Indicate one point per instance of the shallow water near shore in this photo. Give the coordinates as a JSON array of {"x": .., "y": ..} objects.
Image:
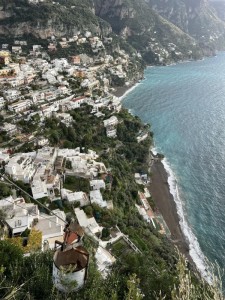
[{"x": 185, "y": 104}]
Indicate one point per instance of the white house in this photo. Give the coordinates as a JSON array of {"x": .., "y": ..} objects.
[
  {"x": 76, "y": 102},
  {"x": 89, "y": 224},
  {"x": 112, "y": 121},
  {"x": 96, "y": 197},
  {"x": 65, "y": 118},
  {"x": 97, "y": 184},
  {"x": 11, "y": 129},
  {"x": 111, "y": 131},
  {"x": 22, "y": 217},
  {"x": 21, "y": 167},
  {"x": 4, "y": 156},
  {"x": 77, "y": 197},
  {"x": 42, "y": 141},
  {"x": 11, "y": 95},
  {"x": 7, "y": 204},
  {"x": 104, "y": 261},
  {"x": 51, "y": 228},
  {"x": 39, "y": 189},
  {"x": 19, "y": 106}
]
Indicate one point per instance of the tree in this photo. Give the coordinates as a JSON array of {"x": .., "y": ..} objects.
[
  {"x": 4, "y": 190},
  {"x": 134, "y": 292},
  {"x": 105, "y": 233},
  {"x": 188, "y": 288},
  {"x": 10, "y": 257}
]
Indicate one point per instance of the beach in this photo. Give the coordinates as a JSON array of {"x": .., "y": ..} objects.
[
  {"x": 160, "y": 191},
  {"x": 121, "y": 90}
]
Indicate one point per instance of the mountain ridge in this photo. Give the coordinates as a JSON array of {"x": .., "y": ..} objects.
[{"x": 147, "y": 26}]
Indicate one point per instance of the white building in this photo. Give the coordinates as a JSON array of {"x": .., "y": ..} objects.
[
  {"x": 78, "y": 259},
  {"x": 11, "y": 129},
  {"x": 97, "y": 184},
  {"x": 7, "y": 204},
  {"x": 72, "y": 197},
  {"x": 11, "y": 95},
  {"x": 52, "y": 229},
  {"x": 112, "y": 121},
  {"x": 42, "y": 141},
  {"x": 89, "y": 224},
  {"x": 96, "y": 197},
  {"x": 46, "y": 156},
  {"x": 65, "y": 118},
  {"x": 20, "y": 106},
  {"x": 4, "y": 156},
  {"x": 21, "y": 167},
  {"x": 22, "y": 217},
  {"x": 39, "y": 189},
  {"x": 110, "y": 125},
  {"x": 104, "y": 261}
]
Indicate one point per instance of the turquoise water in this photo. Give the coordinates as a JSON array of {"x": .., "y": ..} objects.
[{"x": 185, "y": 105}]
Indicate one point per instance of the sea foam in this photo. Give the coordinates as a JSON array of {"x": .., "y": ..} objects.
[
  {"x": 130, "y": 90},
  {"x": 194, "y": 247}
]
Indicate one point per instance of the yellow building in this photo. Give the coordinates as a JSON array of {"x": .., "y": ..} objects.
[{"x": 5, "y": 57}]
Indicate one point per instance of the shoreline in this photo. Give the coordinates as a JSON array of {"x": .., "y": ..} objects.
[
  {"x": 122, "y": 91},
  {"x": 165, "y": 203},
  {"x": 162, "y": 195}
]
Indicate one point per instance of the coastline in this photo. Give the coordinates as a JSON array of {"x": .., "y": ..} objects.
[
  {"x": 122, "y": 91},
  {"x": 165, "y": 203},
  {"x": 160, "y": 190}
]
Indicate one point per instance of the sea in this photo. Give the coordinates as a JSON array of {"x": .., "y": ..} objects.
[{"x": 185, "y": 105}]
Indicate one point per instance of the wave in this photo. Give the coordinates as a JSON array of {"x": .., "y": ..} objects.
[
  {"x": 194, "y": 247},
  {"x": 130, "y": 90}
]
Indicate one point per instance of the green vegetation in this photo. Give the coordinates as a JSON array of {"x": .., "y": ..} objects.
[
  {"x": 154, "y": 273},
  {"x": 148, "y": 32},
  {"x": 133, "y": 275},
  {"x": 77, "y": 184},
  {"x": 5, "y": 190}
]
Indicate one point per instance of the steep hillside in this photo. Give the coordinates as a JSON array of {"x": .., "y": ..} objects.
[
  {"x": 219, "y": 7},
  {"x": 195, "y": 17},
  {"x": 57, "y": 18},
  {"x": 161, "y": 31},
  {"x": 157, "y": 39}
]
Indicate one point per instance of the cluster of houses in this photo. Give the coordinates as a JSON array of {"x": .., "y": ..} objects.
[
  {"x": 45, "y": 171},
  {"x": 34, "y": 85},
  {"x": 41, "y": 87}
]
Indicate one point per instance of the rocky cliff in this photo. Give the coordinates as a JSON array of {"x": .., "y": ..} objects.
[
  {"x": 161, "y": 31},
  {"x": 157, "y": 39},
  {"x": 195, "y": 17},
  {"x": 58, "y": 18},
  {"x": 219, "y": 7}
]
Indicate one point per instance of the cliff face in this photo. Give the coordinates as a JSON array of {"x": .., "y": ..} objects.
[
  {"x": 219, "y": 7},
  {"x": 195, "y": 17},
  {"x": 161, "y": 31},
  {"x": 158, "y": 40},
  {"x": 59, "y": 18}
]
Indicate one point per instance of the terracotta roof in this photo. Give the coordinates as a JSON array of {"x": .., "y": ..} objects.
[
  {"x": 71, "y": 237},
  {"x": 77, "y": 257}
]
